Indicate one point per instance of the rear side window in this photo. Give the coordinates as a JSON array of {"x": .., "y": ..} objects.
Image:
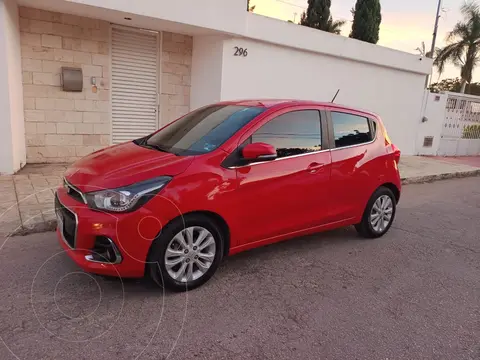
[
  {"x": 349, "y": 129},
  {"x": 293, "y": 133}
]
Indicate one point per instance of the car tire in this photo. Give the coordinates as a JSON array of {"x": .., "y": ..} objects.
[
  {"x": 370, "y": 227},
  {"x": 159, "y": 265}
]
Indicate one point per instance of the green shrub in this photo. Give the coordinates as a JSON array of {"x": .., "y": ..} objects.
[{"x": 471, "y": 132}]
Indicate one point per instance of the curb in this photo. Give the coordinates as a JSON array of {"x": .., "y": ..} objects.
[
  {"x": 41, "y": 227},
  {"x": 432, "y": 178},
  {"x": 52, "y": 224}
]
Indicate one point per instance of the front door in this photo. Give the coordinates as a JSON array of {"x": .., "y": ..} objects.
[{"x": 290, "y": 193}]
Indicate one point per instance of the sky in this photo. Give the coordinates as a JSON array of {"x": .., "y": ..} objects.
[{"x": 405, "y": 23}]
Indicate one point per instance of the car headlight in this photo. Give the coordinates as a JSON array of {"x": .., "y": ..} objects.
[{"x": 128, "y": 198}]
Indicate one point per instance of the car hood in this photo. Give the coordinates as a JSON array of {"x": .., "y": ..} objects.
[{"x": 122, "y": 165}]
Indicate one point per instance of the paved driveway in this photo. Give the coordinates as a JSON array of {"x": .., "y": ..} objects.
[{"x": 415, "y": 294}]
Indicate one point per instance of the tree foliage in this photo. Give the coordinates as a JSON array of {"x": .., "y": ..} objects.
[
  {"x": 366, "y": 20},
  {"x": 455, "y": 85},
  {"x": 423, "y": 52},
  {"x": 303, "y": 19},
  {"x": 318, "y": 16},
  {"x": 335, "y": 26},
  {"x": 463, "y": 45},
  {"x": 471, "y": 132}
]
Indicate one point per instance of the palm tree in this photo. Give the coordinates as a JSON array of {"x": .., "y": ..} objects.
[
  {"x": 423, "y": 52},
  {"x": 463, "y": 45}
]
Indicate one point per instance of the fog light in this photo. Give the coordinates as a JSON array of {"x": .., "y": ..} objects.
[{"x": 104, "y": 251}]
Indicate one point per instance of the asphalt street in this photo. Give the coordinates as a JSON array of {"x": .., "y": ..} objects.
[{"x": 413, "y": 294}]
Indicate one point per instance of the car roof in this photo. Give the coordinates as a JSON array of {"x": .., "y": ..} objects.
[{"x": 270, "y": 103}]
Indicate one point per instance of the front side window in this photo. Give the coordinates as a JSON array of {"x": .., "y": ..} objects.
[
  {"x": 349, "y": 129},
  {"x": 293, "y": 133},
  {"x": 202, "y": 130}
]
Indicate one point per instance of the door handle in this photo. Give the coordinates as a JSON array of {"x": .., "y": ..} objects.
[{"x": 314, "y": 167}]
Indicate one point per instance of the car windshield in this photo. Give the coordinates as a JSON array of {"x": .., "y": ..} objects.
[{"x": 202, "y": 130}]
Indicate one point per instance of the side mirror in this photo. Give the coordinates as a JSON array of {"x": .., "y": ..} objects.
[{"x": 258, "y": 152}]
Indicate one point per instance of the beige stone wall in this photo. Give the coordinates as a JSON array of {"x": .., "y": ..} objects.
[
  {"x": 176, "y": 76},
  {"x": 64, "y": 126}
]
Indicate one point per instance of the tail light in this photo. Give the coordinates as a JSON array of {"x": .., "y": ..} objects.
[
  {"x": 388, "y": 144},
  {"x": 396, "y": 153}
]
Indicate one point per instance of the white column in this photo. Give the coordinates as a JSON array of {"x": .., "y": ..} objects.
[
  {"x": 207, "y": 64},
  {"x": 12, "y": 125}
]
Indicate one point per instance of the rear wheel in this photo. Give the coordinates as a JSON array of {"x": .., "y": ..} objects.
[
  {"x": 378, "y": 215},
  {"x": 186, "y": 254}
]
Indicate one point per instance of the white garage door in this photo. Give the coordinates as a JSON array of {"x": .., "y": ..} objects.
[{"x": 134, "y": 84}]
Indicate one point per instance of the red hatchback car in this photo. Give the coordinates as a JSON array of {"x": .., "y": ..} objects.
[{"x": 222, "y": 179}]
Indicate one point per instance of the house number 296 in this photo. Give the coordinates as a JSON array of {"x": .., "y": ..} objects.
[{"x": 240, "y": 51}]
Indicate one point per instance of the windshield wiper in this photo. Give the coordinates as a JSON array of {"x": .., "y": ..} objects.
[
  {"x": 156, "y": 147},
  {"x": 140, "y": 141},
  {"x": 144, "y": 143}
]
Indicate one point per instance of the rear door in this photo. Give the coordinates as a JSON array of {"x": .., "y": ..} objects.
[
  {"x": 352, "y": 136},
  {"x": 290, "y": 193}
]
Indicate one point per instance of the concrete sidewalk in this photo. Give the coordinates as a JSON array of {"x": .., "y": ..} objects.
[
  {"x": 420, "y": 169},
  {"x": 26, "y": 199}
]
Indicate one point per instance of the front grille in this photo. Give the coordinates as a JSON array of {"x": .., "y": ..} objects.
[
  {"x": 73, "y": 191},
  {"x": 67, "y": 223}
]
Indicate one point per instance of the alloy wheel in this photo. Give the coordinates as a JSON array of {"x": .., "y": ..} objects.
[
  {"x": 381, "y": 214},
  {"x": 190, "y": 254}
]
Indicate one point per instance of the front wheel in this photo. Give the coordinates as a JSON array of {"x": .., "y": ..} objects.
[
  {"x": 186, "y": 254},
  {"x": 378, "y": 215}
]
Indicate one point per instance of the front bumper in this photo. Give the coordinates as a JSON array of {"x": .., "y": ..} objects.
[{"x": 131, "y": 234}]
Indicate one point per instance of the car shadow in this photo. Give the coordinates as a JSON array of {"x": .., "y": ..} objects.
[
  {"x": 307, "y": 243},
  {"x": 243, "y": 261},
  {"x": 299, "y": 247}
]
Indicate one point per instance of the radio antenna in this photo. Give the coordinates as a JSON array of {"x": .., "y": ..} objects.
[{"x": 333, "y": 100}]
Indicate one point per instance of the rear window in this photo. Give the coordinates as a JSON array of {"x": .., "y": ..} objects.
[
  {"x": 349, "y": 129},
  {"x": 203, "y": 130}
]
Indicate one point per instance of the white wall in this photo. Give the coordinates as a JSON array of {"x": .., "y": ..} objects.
[
  {"x": 304, "y": 38},
  {"x": 229, "y": 17},
  {"x": 285, "y": 60},
  {"x": 207, "y": 63},
  {"x": 271, "y": 71},
  {"x": 434, "y": 113},
  {"x": 446, "y": 125},
  {"x": 12, "y": 127},
  {"x": 222, "y": 15},
  {"x": 458, "y": 147}
]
